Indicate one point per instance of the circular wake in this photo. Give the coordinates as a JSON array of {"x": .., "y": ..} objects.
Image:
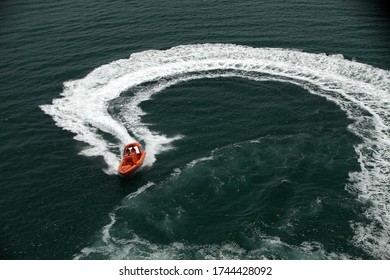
[{"x": 362, "y": 91}]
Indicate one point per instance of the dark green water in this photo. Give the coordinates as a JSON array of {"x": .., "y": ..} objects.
[{"x": 266, "y": 123}]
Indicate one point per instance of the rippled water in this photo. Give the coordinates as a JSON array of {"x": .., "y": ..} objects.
[{"x": 266, "y": 128}]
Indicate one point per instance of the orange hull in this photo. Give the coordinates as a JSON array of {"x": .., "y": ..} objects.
[{"x": 133, "y": 157}]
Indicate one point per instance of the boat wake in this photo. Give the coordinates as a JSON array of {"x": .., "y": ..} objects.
[
  {"x": 119, "y": 241},
  {"x": 362, "y": 91}
]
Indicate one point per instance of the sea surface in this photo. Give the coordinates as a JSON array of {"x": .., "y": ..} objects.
[{"x": 266, "y": 126}]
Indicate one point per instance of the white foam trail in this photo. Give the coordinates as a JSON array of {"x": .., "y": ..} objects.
[
  {"x": 106, "y": 237},
  {"x": 106, "y": 229},
  {"x": 269, "y": 248},
  {"x": 140, "y": 190},
  {"x": 362, "y": 91},
  {"x": 194, "y": 162}
]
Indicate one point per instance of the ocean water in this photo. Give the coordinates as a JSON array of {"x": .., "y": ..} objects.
[{"x": 266, "y": 126}]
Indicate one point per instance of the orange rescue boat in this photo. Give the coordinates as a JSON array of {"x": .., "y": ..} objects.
[{"x": 133, "y": 157}]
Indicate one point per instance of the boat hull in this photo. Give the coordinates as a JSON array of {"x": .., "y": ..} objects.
[{"x": 132, "y": 159}]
